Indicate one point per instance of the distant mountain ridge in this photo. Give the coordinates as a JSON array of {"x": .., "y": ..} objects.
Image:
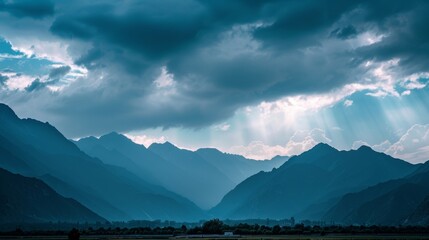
[
  {"x": 203, "y": 176},
  {"x": 308, "y": 184},
  {"x": 37, "y": 149}
]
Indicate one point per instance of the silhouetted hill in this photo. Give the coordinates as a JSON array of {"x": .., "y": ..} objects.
[
  {"x": 399, "y": 201},
  {"x": 204, "y": 176},
  {"x": 29, "y": 200},
  {"x": 317, "y": 177},
  {"x": 38, "y": 149}
]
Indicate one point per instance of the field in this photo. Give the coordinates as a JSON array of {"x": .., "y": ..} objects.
[{"x": 207, "y": 237}]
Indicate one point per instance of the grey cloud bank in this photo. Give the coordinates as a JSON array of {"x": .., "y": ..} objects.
[{"x": 222, "y": 56}]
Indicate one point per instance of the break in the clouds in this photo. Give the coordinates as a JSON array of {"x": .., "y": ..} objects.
[{"x": 90, "y": 67}]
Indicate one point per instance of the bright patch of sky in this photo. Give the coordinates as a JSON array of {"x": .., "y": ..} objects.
[
  {"x": 22, "y": 69},
  {"x": 257, "y": 134}
]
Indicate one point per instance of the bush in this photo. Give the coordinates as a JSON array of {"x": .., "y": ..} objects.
[{"x": 74, "y": 234}]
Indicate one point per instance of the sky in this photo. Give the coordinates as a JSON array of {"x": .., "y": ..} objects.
[{"x": 257, "y": 78}]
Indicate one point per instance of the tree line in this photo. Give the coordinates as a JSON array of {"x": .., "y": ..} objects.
[{"x": 216, "y": 226}]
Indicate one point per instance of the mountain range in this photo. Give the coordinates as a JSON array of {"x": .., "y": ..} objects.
[
  {"x": 203, "y": 176},
  {"x": 37, "y": 149},
  {"x": 46, "y": 177},
  {"x": 307, "y": 184}
]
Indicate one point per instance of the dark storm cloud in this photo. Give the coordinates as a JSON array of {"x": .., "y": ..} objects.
[
  {"x": 153, "y": 29},
  {"x": 90, "y": 58},
  {"x": 35, "y": 85},
  {"x": 407, "y": 39},
  {"x": 345, "y": 32},
  {"x": 223, "y": 55},
  {"x": 96, "y": 115},
  {"x": 58, "y": 72},
  {"x": 54, "y": 77},
  {"x": 300, "y": 25},
  {"x": 28, "y": 8}
]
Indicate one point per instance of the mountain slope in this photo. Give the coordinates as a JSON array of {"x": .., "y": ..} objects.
[
  {"x": 117, "y": 150},
  {"x": 317, "y": 176},
  {"x": 203, "y": 176},
  {"x": 420, "y": 215},
  {"x": 38, "y": 149},
  {"x": 193, "y": 178},
  {"x": 24, "y": 199},
  {"x": 399, "y": 201},
  {"x": 237, "y": 167}
]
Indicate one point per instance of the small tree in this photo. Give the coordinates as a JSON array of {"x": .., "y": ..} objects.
[
  {"x": 184, "y": 229},
  {"x": 213, "y": 226}
]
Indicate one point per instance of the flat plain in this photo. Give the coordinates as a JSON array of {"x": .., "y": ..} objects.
[{"x": 208, "y": 237}]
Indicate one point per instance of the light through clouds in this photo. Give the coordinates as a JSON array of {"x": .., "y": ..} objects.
[{"x": 250, "y": 78}]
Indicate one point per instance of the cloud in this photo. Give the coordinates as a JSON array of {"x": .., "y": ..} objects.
[
  {"x": 165, "y": 79},
  {"x": 3, "y": 79},
  {"x": 17, "y": 81},
  {"x": 348, "y": 103},
  {"x": 54, "y": 76},
  {"x": 304, "y": 140},
  {"x": 300, "y": 142},
  {"x": 58, "y": 72},
  {"x": 36, "y": 85},
  {"x": 358, "y": 144},
  {"x": 382, "y": 147},
  {"x": 28, "y": 8},
  {"x": 156, "y": 64},
  {"x": 222, "y": 127},
  {"x": 145, "y": 140},
  {"x": 258, "y": 150},
  {"x": 345, "y": 32},
  {"x": 413, "y": 146}
]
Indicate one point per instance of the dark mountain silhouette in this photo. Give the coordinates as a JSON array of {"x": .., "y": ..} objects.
[
  {"x": 29, "y": 200},
  {"x": 399, "y": 201},
  {"x": 420, "y": 216},
  {"x": 33, "y": 148},
  {"x": 318, "y": 177},
  {"x": 204, "y": 176}
]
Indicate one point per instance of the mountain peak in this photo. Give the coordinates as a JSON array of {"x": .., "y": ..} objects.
[
  {"x": 319, "y": 150},
  {"x": 365, "y": 148},
  {"x": 6, "y": 111},
  {"x": 88, "y": 139},
  {"x": 323, "y": 147},
  {"x": 114, "y": 136},
  {"x": 166, "y": 145}
]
